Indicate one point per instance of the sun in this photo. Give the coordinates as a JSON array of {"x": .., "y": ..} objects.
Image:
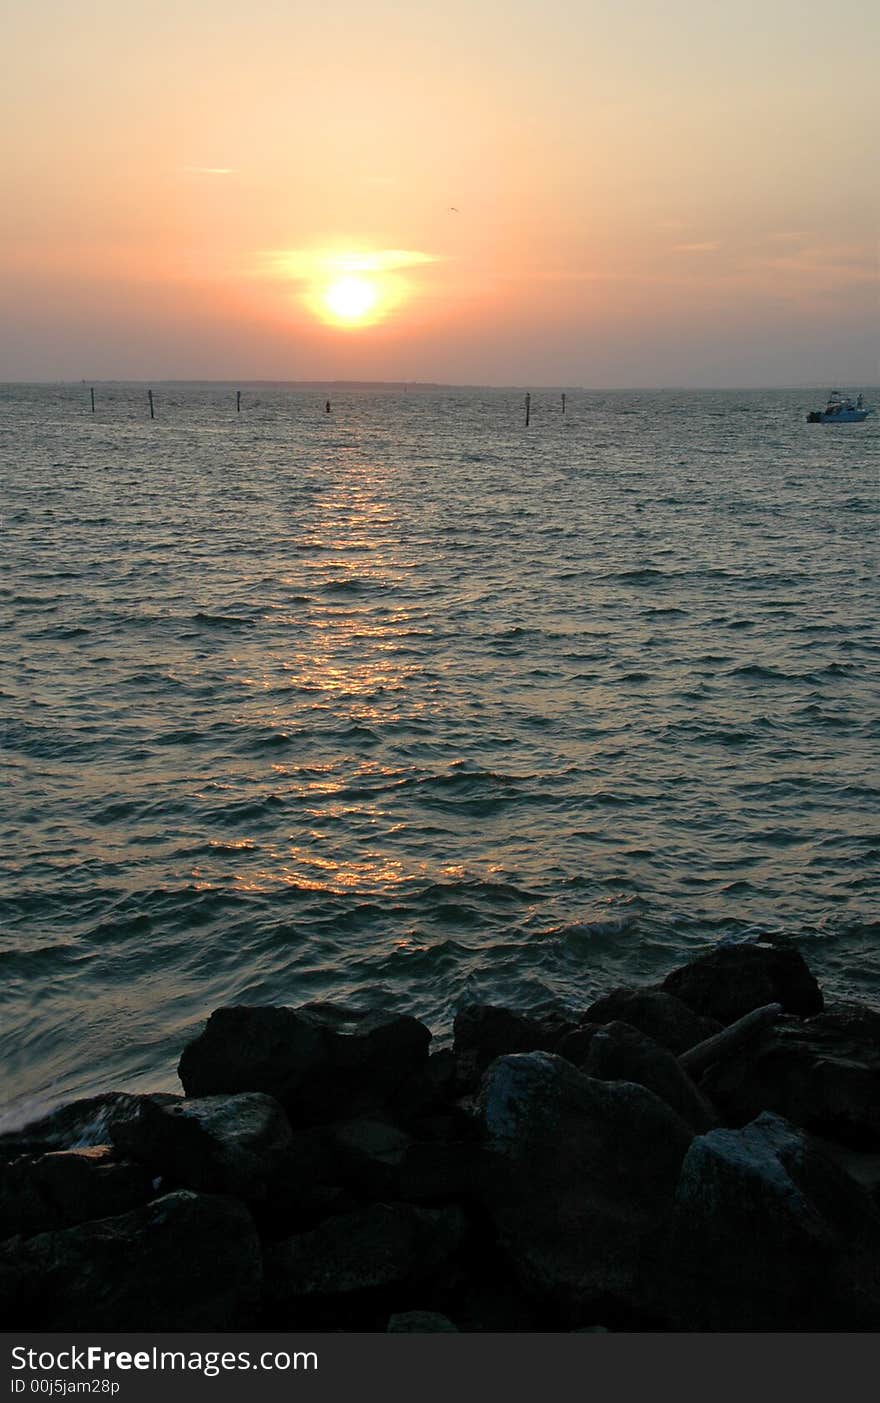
[
  {"x": 347, "y": 287},
  {"x": 351, "y": 299}
]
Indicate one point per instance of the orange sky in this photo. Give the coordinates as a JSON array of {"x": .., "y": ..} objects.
[{"x": 643, "y": 194}]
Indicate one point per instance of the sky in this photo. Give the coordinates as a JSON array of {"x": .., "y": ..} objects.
[{"x": 519, "y": 193}]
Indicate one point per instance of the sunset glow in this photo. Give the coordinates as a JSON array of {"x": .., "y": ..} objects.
[
  {"x": 537, "y": 204},
  {"x": 346, "y": 287}
]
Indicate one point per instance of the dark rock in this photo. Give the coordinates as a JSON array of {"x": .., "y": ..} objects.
[
  {"x": 460, "y": 1124},
  {"x": 214, "y": 1144},
  {"x": 823, "y": 1074},
  {"x": 575, "y": 1046},
  {"x": 483, "y": 1032},
  {"x": 377, "y": 1160},
  {"x": 420, "y": 1322},
  {"x": 79, "y": 1125},
  {"x": 305, "y": 1186},
  {"x": 182, "y": 1262},
  {"x": 369, "y": 1153},
  {"x": 582, "y": 1180},
  {"x": 658, "y": 1014},
  {"x": 731, "y": 980},
  {"x": 768, "y": 1235},
  {"x": 41, "y": 1193},
  {"x": 861, "y": 1165},
  {"x": 316, "y": 1060},
  {"x": 621, "y": 1053},
  {"x": 429, "y": 1090},
  {"x": 494, "y": 1304},
  {"x": 377, "y": 1249},
  {"x": 433, "y": 1170}
]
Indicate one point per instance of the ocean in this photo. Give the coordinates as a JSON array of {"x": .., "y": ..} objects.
[{"x": 408, "y": 705}]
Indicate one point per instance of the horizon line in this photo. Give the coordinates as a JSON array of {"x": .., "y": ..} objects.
[{"x": 431, "y": 385}]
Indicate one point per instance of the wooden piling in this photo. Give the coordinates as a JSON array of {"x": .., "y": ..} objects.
[
  {"x": 150, "y": 397},
  {"x": 563, "y": 403},
  {"x": 238, "y": 401},
  {"x": 93, "y": 399},
  {"x": 327, "y": 407},
  {"x": 528, "y": 409}
]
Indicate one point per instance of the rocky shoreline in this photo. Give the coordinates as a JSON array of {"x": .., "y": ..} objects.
[{"x": 698, "y": 1155}]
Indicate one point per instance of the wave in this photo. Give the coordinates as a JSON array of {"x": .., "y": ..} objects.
[{"x": 221, "y": 621}]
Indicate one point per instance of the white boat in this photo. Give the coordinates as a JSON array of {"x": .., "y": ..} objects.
[{"x": 840, "y": 409}]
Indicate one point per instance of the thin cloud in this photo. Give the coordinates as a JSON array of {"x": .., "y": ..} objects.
[
  {"x": 708, "y": 247},
  {"x": 304, "y": 264},
  {"x": 209, "y": 170},
  {"x": 833, "y": 263}
]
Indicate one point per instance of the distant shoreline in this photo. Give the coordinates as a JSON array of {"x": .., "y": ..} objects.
[{"x": 815, "y": 387}]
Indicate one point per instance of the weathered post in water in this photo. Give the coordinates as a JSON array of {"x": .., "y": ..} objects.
[
  {"x": 93, "y": 398},
  {"x": 238, "y": 401},
  {"x": 563, "y": 403},
  {"x": 528, "y": 409},
  {"x": 327, "y": 407},
  {"x": 150, "y": 398}
]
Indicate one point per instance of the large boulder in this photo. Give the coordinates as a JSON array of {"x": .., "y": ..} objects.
[
  {"x": 182, "y": 1262},
  {"x": 354, "y": 1258},
  {"x": 731, "y": 980},
  {"x": 823, "y": 1074},
  {"x": 654, "y": 1012},
  {"x": 581, "y": 1182},
  {"x": 768, "y": 1235},
  {"x": 215, "y": 1144},
  {"x": 618, "y": 1052},
  {"x": 316, "y": 1060},
  {"x": 41, "y": 1193}
]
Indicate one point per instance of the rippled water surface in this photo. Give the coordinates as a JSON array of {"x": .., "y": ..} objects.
[{"x": 407, "y": 705}]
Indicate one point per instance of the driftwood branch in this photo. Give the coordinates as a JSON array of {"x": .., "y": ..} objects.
[{"x": 698, "y": 1058}]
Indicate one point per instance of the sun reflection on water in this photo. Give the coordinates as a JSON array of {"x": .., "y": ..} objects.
[{"x": 335, "y": 660}]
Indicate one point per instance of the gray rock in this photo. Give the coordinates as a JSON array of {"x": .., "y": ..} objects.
[
  {"x": 214, "y": 1144},
  {"x": 823, "y": 1074},
  {"x": 42, "y": 1193},
  {"x": 582, "y": 1179},
  {"x": 316, "y": 1060},
  {"x": 731, "y": 980},
  {"x": 182, "y": 1262},
  {"x": 769, "y": 1235},
  {"x": 658, "y": 1014},
  {"x": 618, "y": 1052}
]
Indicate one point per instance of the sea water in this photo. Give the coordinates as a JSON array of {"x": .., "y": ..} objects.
[{"x": 406, "y": 704}]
